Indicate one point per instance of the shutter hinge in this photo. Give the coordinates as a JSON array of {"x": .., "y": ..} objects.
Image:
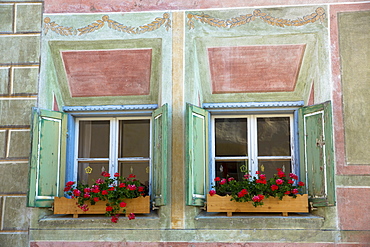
[
  {"x": 312, "y": 208},
  {"x": 153, "y": 206}
]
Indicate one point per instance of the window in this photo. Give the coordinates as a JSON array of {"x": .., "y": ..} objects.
[
  {"x": 113, "y": 145},
  {"x": 249, "y": 143},
  {"x": 68, "y": 145},
  {"x": 231, "y": 139}
]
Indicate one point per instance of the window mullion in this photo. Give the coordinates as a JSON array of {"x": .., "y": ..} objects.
[
  {"x": 75, "y": 165},
  {"x": 252, "y": 133},
  {"x": 113, "y": 148}
]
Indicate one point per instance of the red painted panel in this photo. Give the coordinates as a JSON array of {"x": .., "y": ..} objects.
[
  {"x": 268, "y": 68},
  {"x": 353, "y": 207},
  {"x": 108, "y": 72}
]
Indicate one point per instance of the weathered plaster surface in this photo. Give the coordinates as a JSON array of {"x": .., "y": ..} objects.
[
  {"x": 339, "y": 123},
  {"x": 352, "y": 211},
  {"x": 18, "y": 90},
  {"x": 104, "y": 38},
  {"x": 211, "y": 29},
  {"x": 90, "y": 6}
]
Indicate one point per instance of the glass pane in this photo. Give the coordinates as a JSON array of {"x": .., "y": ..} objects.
[
  {"x": 89, "y": 172},
  {"x": 273, "y": 136},
  {"x": 139, "y": 169},
  {"x": 93, "y": 139},
  {"x": 235, "y": 169},
  {"x": 269, "y": 167},
  {"x": 231, "y": 137},
  {"x": 134, "y": 136}
]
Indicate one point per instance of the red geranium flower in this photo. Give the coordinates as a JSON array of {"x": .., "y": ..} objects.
[
  {"x": 274, "y": 187},
  {"x": 104, "y": 192},
  {"x": 279, "y": 181},
  {"x": 223, "y": 181},
  {"x": 300, "y": 184},
  {"x": 76, "y": 192},
  {"x": 96, "y": 199},
  {"x": 114, "y": 219},
  {"x": 131, "y": 187},
  {"x": 116, "y": 174},
  {"x": 122, "y": 204},
  {"x": 290, "y": 181},
  {"x": 281, "y": 174},
  {"x": 212, "y": 192},
  {"x": 217, "y": 179},
  {"x": 295, "y": 191},
  {"x": 261, "y": 181},
  {"x": 293, "y": 176},
  {"x": 108, "y": 208},
  {"x": 131, "y": 216}
]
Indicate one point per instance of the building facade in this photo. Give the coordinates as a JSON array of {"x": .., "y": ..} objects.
[{"x": 196, "y": 81}]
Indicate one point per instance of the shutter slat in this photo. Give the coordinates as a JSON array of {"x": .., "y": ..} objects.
[
  {"x": 47, "y": 161},
  {"x": 160, "y": 150},
  {"x": 196, "y": 155},
  {"x": 316, "y": 151}
]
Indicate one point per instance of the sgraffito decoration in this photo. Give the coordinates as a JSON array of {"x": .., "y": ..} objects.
[
  {"x": 244, "y": 19},
  {"x": 98, "y": 24}
]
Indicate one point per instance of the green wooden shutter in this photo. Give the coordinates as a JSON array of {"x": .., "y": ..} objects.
[
  {"x": 196, "y": 155},
  {"x": 160, "y": 150},
  {"x": 316, "y": 153},
  {"x": 47, "y": 161}
]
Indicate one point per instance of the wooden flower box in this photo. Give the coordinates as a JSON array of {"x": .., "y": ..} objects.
[
  {"x": 62, "y": 205},
  {"x": 287, "y": 205}
]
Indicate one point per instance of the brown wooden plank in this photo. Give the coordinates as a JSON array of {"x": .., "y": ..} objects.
[
  {"x": 62, "y": 205},
  {"x": 218, "y": 203}
]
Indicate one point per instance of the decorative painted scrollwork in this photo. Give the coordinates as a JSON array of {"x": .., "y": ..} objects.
[
  {"x": 98, "y": 24},
  {"x": 244, "y": 19}
]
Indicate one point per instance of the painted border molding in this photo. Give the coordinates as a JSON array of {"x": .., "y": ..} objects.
[
  {"x": 319, "y": 14},
  {"x": 109, "y": 108},
  {"x": 98, "y": 24},
  {"x": 253, "y": 105}
]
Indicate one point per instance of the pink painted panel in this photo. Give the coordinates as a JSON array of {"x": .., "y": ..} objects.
[
  {"x": 243, "y": 69},
  {"x": 93, "y": 6},
  {"x": 341, "y": 165},
  {"x": 353, "y": 209},
  {"x": 108, "y": 72}
]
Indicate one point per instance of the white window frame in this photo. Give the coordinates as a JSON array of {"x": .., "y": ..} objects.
[
  {"x": 113, "y": 139},
  {"x": 252, "y": 142}
]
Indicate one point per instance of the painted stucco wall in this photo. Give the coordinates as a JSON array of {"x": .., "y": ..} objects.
[
  {"x": 334, "y": 66},
  {"x": 20, "y": 29}
]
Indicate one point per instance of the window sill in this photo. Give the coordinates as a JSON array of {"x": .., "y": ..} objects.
[
  {"x": 258, "y": 221},
  {"x": 61, "y": 221}
]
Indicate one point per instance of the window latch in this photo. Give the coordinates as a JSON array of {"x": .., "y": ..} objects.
[{"x": 319, "y": 142}]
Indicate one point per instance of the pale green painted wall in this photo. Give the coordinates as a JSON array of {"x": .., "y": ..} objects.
[{"x": 354, "y": 38}]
